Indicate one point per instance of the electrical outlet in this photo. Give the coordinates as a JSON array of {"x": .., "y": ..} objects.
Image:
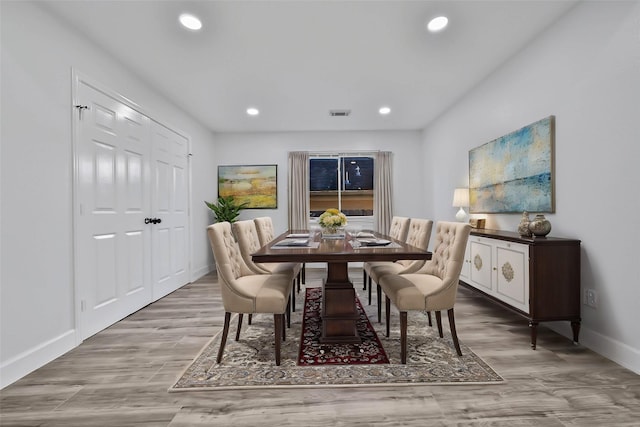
[{"x": 591, "y": 298}]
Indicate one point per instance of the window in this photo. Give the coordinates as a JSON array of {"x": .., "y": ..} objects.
[{"x": 341, "y": 181}]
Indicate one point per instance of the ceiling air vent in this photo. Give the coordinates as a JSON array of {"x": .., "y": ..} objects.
[{"x": 339, "y": 113}]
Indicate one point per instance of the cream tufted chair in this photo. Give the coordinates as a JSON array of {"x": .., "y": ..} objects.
[
  {"x": 266, "y": 233},
  {"x": 418, "y": 235},
  {"x": 243, "y": 291},
  {"x": 264, "y": 227},
  {"x": 397, "y": 230},
  {"x": 399, "y": 227},
  {"x": 434, "y": 286},
  {"x": 248, "y": 242}
]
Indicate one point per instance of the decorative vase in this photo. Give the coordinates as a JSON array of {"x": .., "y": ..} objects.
[
  {"x": 330, "y": 230},
  {"x": 523, "y": 227},
  {"x": 333, "y": 232},
  {"x": 540, "y": 226}
]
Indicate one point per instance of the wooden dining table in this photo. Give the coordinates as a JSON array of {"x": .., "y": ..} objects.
[{"x": 339, "y": 312}]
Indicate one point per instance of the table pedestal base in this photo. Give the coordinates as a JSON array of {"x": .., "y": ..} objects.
[{"x": 339, "y": 312}]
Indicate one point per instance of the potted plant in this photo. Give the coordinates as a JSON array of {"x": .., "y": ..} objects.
[{"x": 226, "y": 209}]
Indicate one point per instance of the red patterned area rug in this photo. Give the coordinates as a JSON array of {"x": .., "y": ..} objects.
[
  {"x": 249, "y": 363},
  {"x": 313, "y": 353}
]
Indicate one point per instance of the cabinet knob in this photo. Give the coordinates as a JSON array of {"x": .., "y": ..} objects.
[{"x": 495, "y": 268}]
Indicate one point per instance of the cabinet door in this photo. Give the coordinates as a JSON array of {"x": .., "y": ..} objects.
[
  {"x": 512, "y": 274},
  {"x": 481, "y": 263}
]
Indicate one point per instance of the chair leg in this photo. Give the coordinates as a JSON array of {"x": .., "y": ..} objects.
[
  {"x": 403, "y": 337},
  {"x": 250, "y": 318},
  {"x": 225, "y": 332},
  {"x": 277, "y": 321},
  {"x": 387, "y": 311},
  {"x": 239, "y": 326},
  {"x": 289, "y": 310},
  {"x": 364, "y": 279},
  {"x": 292, "y": 300},
  {"x": 379, "y": 296},
  {"x": 370, "y": 286},
  {"x": 298, "y": 281},
  {"x": 454, "y": 335},
  {"x": 284, "y": 329},
  {"x": 439, "y": 322},
  {"x": 304, "y": 273},
  {"x": 429, "y": 317}
]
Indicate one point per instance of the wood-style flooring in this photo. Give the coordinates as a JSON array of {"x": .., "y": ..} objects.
[{"x": 120, "y": 377}]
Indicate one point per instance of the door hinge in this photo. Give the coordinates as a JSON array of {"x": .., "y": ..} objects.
[
  {"x": 83, "y": 305},
  {"x": 80, "y": 108}
]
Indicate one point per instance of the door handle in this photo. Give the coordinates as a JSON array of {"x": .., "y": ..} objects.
[{"x": 152, "y": 220}]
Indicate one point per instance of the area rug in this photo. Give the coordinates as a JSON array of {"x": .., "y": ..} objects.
[
  {"x": 250, "y": 363},
  {"x": 313, "y": 353}
]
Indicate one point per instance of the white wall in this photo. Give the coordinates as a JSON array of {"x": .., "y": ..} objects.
[
  {"x": 273, "y": 148},
  {"x": 37, "y": 289},
  {"x": 585, "y": 70}
]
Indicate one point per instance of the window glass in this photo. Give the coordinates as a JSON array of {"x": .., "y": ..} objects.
[
  {"x": 357, "y": 173},
  {"x": 323, "y": 174},
  {"x": 342, "y": 182}
]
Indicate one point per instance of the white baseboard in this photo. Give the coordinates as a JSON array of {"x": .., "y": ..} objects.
[
  {"x": 202, "y": 271},
  {"x": 620, "y": 353},
  {"x": 21, "y": 365}
]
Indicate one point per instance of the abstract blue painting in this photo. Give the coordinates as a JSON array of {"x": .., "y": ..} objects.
[{"x": 514, "y": 173}]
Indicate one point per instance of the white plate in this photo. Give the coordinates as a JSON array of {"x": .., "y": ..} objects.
[
  {"x": 298, "y": 235},
  {"x": 293, "y": 242}
]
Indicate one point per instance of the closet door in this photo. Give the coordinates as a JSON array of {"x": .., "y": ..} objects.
[
  {"x": 113, "y": 243},
  {"x": 131, "y": 218},
  {"x": 169, "y": 204}
]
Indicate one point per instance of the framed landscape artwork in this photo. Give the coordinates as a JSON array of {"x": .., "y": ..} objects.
[
  {"x": 255, "y": 184},
  {"x": 515, "y": 172}
]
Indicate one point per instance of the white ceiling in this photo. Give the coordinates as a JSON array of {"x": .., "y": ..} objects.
[{"x": 296, "y": 60}]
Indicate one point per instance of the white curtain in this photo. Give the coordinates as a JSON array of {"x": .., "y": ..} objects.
[
  {"x": 298, "y": 190},
  {"x": 382, "y": 193}
]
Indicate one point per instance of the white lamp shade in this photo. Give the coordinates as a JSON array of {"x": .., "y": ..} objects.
[{"x": 461, "y": 198}]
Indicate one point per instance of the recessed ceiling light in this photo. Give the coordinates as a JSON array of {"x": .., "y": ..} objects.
[
  {"x": 438, "y": 24},
  {"x": 384, "y": 110},
  {"x": 252, "y": 111},
  {"x": 190, "y": 21}
]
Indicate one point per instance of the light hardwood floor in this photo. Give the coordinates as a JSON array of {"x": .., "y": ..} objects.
[{"x": 120, "y": 376}]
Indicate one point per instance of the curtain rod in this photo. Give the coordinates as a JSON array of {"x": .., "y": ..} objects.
[{"x": 337, "y": 153}]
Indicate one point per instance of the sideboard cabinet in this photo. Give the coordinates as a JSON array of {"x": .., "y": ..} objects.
[{"x": 538, "y": 278}]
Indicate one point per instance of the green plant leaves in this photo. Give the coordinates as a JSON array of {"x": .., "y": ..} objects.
[{"x": 226, "y": 209}]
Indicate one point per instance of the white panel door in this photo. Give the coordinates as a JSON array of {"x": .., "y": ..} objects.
[
  {"x": 113, "y": 242},
  {"x": 169, "y": 204}
]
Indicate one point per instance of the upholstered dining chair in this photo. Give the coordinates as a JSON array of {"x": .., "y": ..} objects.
[
  {"x": 397, "y": 230},
  {"x": 243, "y": 291},
  {"x": 266, "y": 233},
  {"x": 418, "y": 235},
  {"x": 432, "y": 288},
  {"x": 264, "y": 227},
  {"x": 248, "y": 243}
]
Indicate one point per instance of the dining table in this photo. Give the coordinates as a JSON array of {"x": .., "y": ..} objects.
[{"x": 338, "y": 310}]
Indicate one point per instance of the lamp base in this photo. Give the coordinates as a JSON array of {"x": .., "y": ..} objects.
[{"x": 461, "y": 215}]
